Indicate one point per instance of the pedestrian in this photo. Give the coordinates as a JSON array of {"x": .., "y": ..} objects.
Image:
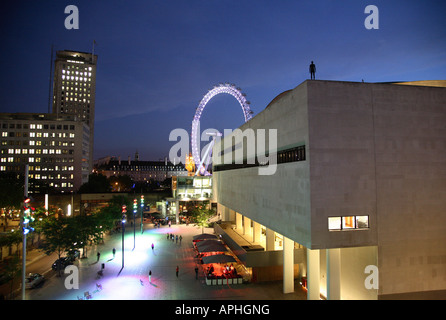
[
  {"x": 176, "y": 239},
  {"x": 98, "y": 255},
  {"x": 196, "y": 272},
  {"x": 168, "y": 236},
  {"x": 114, "y": 252},
  {"x": 181, "y": 238},
  {"x": 150, "y": 276},
  {"x": 178, "y": 269},
  {"x": 153, "y": 246}
]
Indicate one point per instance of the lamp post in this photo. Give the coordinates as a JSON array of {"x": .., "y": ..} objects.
[
  {"x": 142, "y": 210},
  {"x": 26, "y": 216},
  {"x": 135, "y": 208},
  {"x": 124, "y": 217}
]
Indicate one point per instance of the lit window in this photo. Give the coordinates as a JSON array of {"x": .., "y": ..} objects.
[
  {"x": 362, "y": 222},
  {"x": 348, "y": 222},
  {"x": 334, "y": 223}
]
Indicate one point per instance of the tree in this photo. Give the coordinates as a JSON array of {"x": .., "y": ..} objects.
[
  {"x": 202, "y": 216},
  {"x": 60, "y": 235},
  {"x": 11, "y": 191},
  {"x": 96, "y": 183},
  {"x": 12, "y": 269}
]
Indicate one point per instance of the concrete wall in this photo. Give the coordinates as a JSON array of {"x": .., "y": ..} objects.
[
  {"x": 411, "y": 183},
  {"x": 371, "y": 149},
  {"x": 280, "y": 201},
  {"x": 342, "y": 161}
]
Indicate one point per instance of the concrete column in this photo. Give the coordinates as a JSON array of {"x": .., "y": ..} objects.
[
  {"x": 232, "y": 215},
  {"x": 246, "y": 225},
  {"x": 270, "y": 235},
  {"x": 238, "y": 222},
  {"x": 334, "y": 274},
  {"x": 225, "y": 214},
  {"x": 221, "y": 211},
  {"x": 313, "y": 274},
  {"x": 288, "y": 265},
  {"x": 256, "y": 232}
]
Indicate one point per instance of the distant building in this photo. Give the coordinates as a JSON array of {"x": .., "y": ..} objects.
[
  {"x": 139, "y": 170},
  {"x": 56, "y": 147},
  {"x": 74, "y": 88}
]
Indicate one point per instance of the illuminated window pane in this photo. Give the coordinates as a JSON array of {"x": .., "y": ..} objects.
[
  {"x": 362, "y": 222},
  {"x": 348, "y": 222},
  {"x": 334, "y": 223}
]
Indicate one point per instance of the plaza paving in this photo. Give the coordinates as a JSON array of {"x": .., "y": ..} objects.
[{"x": 132, "y": 281}]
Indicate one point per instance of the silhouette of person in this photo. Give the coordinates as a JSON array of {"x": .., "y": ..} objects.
[{"x": 312, "y": 70}]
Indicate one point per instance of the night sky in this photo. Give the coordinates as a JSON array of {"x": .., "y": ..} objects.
[{"x": 156, "y": 59}]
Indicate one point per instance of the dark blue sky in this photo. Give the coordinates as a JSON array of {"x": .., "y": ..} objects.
[{"x": 158, "y": 58}]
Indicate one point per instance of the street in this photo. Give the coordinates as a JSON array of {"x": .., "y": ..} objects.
[{"x": 132, "y": 282}]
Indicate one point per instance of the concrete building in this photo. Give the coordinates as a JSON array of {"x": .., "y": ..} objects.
[
  {"x": 355, "y": 208},
  {"x": 56, "y": 148},
  {"x": 74, "y": 88}
]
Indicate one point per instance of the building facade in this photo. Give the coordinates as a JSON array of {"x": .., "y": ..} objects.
[
  {"x": 56, "y": 148},
  {"x": 359, "y": 213},
  {"x": 139, "y": 170},
  {"x": 74, "y": 88}
]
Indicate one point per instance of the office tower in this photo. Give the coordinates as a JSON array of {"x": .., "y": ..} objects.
[
  {"x": 74, "y": 89},
  {"x": 54, "y": 146}
]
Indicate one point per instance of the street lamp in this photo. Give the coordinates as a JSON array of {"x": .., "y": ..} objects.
[
  {"x": 142, "y": 210},
  {"x": 135, "y": 208},
  {"x": 123, "y": 220}
]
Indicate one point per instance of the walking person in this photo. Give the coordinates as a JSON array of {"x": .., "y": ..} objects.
[
  {"x": 114, "y": 252},
  {"x": 181, "y": 238},
  {"x": 153, "y": 246},
  {"x": 150, "y": 276},
  {"x": 98, "y": 255},
  {"x": 178, "y": 269},
  {"x": 176, "y": 239}
]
